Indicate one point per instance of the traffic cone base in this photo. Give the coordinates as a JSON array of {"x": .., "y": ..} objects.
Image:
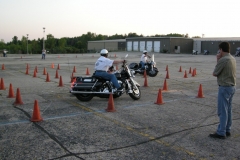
[
  {"x": 18, "y": 100},
  {"x": 159, "y": 98},
  {"x": 111, "y": 107},
  {"x": 36, "y": 116}
]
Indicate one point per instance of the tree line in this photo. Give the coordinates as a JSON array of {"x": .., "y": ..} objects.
[{"x": 65, "y": 44}]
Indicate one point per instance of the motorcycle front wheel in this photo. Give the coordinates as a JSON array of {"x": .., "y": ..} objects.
[
  {"x": 152, "y": 73},
  {"x": 84, "y": 97},
  {"x": 136, "y": 94}
]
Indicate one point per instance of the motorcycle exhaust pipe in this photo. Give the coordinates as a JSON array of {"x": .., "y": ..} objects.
[{"x": 84, "y": 92}]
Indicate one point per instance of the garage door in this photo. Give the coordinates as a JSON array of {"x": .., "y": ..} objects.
[
  {"x": 156, "y": 46},
  {"x": 135, "y": 46},
  {"x": 149, "y": 46},
  {"x": 129, "y": 46},
  {"x": 142, "y": 45}
]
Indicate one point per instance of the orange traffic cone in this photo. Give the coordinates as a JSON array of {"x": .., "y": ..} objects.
[
  {"x": 159, "y": 98},
  {"x": 145, "y": 74},
  {"x": 18, "y": 100},
  {"x": 34, "y": 73},
  {"x": 26, "y": 70},
  {"x": 145, "y": 82},
  {"x": 27, "y": 66},
  {"x": 36, "y": 69},
  {"x": 180, "y": 69},
  {"x": 36, "y": 116},
  {"x": 72, "y": 77},
  {"x": 11, "y": 93},
  {"x": 185, "y": 74},
  {"x": 167, "y": 68},
  {"x": 110, "y": 104},
  {"x": 200, "y": 92},
  {"x": 165, "y": 86},
  {"x": 47, "y": 78},
  {"x": 3, "y": 67},
  {"x": 56, "y": 75},
  {"x": 195, "y": 71},
  {"x": 44, "y": 71},
  {"x": 58, "y": 66},
  {"x": 2, "y": 87},
  {"x": 87, "y": 72},
  {"x": 52, "y": 65},
  {"x": 190, "y": 70},
  {"x": 60, "y": 82},
  {"x": 74, "y": 69},
  {"x": 167, "y": 75}
]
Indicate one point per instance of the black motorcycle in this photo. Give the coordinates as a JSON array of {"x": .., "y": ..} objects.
[
  {"x": 150, "y": 67},
  {"x": 237, "y": 54},
  {"x": 85, "y": 88}
]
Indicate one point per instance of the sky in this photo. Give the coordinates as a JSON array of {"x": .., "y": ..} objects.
[{"x": 72, "y": 18}]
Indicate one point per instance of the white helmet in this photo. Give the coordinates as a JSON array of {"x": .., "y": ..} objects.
[
  {"x": 104, "y": 52},
  {"x": 144, "y": 51}
]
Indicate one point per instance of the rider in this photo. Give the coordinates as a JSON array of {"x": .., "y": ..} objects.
[
  {"x": 143, "y": 59},
  {"x": 101, "y": 67}
]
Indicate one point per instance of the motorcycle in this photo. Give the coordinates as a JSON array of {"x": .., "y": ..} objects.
[
  {"x": 150, "y": 67},
  {"x": 237, "y": 54},
  {"x": 85, "y": 88},
  {"x": 206, "y": 52}
]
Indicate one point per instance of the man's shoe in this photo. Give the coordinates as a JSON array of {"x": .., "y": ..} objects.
[
  {"x": 228, "y": 134},
  {"x": 120, "y": 89},
  {"x": 215, "y": 135}
]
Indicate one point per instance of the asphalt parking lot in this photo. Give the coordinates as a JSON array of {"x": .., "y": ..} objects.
[{"x": 71, "y": 129}]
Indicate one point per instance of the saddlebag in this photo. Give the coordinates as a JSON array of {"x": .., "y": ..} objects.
[{"x": 86, "y": 83}]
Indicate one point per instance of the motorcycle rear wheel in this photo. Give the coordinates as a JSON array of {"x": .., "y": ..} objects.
[
  {"x": 136, "y": 95},
  {"x": 152, "y": 73},
  {"x": 84, "y": 97}
]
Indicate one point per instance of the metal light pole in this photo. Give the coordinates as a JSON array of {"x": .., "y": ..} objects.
[
  {"x": 27, "y": 43},
  {"x": 43, "y": 38}
]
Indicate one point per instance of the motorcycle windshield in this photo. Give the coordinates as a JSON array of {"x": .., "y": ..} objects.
[{"x": 153, "y": 58}]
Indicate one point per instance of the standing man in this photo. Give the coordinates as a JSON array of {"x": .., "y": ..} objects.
[
  {"x": 225, "y": 71},
  {"x": 101, "y": 67},
  {"x": 43, "y": 54}
]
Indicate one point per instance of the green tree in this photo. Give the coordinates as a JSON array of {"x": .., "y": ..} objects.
[
  {"x": 50, "y": 42},
  {"x": 15, "y": 40},
  {"x": 24, "y": 45}
]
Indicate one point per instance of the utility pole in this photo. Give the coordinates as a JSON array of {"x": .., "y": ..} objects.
[{"x": 27, "y": 43}]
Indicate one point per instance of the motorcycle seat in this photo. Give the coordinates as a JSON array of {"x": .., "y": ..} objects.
[{"x": 98, "y": 77}]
